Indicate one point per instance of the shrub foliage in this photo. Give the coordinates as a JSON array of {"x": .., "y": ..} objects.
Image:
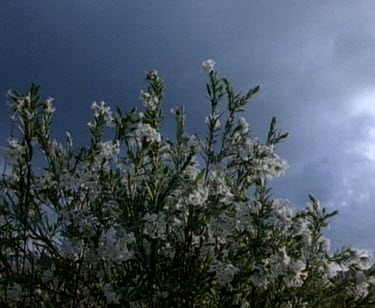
[{"x": 137, "y": 220}]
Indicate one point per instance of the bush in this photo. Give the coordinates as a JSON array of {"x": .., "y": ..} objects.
[{"x": 137, "y": 220}]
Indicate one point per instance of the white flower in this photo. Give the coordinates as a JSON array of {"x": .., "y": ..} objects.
[
  {"x": 222, "y": 227},
  {"x": 260, "y": 278},
  {"x": 218, "y": 184},
  {"x": 49, "y": 108},
  {"x": 47, "y": 275},
  {"x": 361, "y": 259},
  {"x": 149, "y": 100},
  {"x": 208, "y": 65},
  {"x": 102, "y": 110},
  {"x": 193, "y": 143},
  {"x": 152, "y": 75},
  {"x": 15, "y": 149},
  {"x": 111, "y": 296},
  {"x": 29, "y": 115},
  {"x": 214, "y": 119},
  {"x": 114, "y": 245},
  {"x": 360, "y": 288},
  {"x": 155, "y": 226},
  {"x": 13, "y": 143},
  {"x": 19, "y": 104},
  {"x": 14, "y": 292},
  {"x": 108, "y": 150},
  {"x": 69, "y": 139},
  {"x": 263, "y": 160},
  {"x": 197, "y": 196},
  {"x": 325, "y": 243},
  {"x": 332, "y": 269},
  {"x": 224, "y": 272},
  {"x": 283, "y": 255},
  {"x": 244, "y": 125},
  {"x": 243, "y": 217},
  {"x": 148, "y": 133},
  {"x": 301, "y": 230},
  {"x": 295, "y": 273},
  {"x": 3, "y": 221},
  {"x": 192, "y": 170},
  {"x": 71, "y": 248}
]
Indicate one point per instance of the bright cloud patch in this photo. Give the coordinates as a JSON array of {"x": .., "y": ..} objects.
[{"x": 365, "y": 102}]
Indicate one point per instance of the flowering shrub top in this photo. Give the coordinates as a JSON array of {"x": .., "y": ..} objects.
[{"x": 138, "y": 220}]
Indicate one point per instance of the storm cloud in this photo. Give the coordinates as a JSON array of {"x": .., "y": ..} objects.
[{"x": 313, "y": 60}]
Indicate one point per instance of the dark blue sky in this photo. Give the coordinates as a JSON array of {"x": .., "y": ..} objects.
[{"x": 313, "y": 59}]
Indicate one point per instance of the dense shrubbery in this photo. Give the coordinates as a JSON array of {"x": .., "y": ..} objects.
[{"x": 137, "y": 220}]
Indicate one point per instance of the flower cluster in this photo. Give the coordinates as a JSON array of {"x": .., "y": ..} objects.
[
  {"x": 139, "y": 220},
  {"x": 102, "y": 112},
  {"x": 149, "y": 100},
  {"x": 208, "y": 65},
  {"x": 145, "y": 132},
  {"x": 49, "y": 108}
]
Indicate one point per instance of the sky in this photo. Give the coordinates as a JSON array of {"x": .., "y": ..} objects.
[{"x": 314, "y": 61}]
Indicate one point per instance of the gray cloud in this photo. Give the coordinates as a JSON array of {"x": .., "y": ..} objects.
[{"x": 314, "y": 61}]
